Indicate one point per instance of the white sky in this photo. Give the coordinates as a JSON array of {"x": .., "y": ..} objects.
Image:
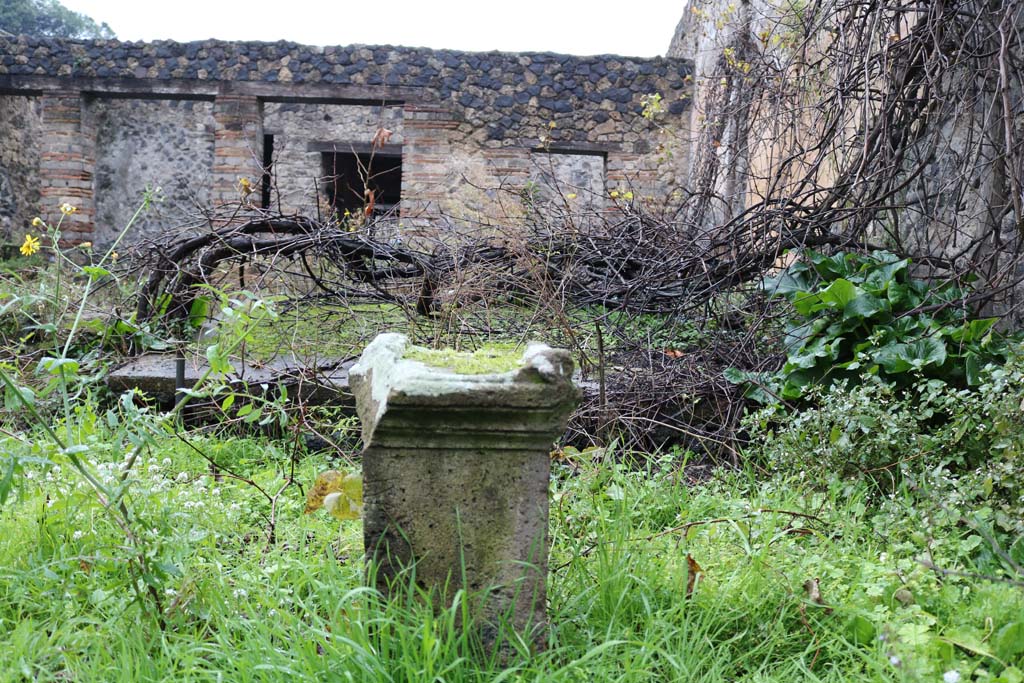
[{"x": 641, "y": 28}]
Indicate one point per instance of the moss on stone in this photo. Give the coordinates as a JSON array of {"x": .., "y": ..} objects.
[{"x": 485, "y": 360}]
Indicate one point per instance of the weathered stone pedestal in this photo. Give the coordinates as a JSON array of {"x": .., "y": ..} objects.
[{"x": 455, "y": 475}]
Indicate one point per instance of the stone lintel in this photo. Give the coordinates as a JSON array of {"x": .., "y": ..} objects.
[{"x": 188, "y": 89}]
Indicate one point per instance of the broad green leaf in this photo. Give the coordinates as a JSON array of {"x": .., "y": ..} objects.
[
  {"x": 1010, "y": 674},
  {"x": 17, "y": 397},
  {"x": 972, "y": 331},
  {"x": 124, "y": 327},
  {"x": 972, "y": 369},
  {"x": 58, "y": 366},
  {"x": 830, "y": 267},
  {"x": 615, "y": 492},
  {"x": 199, "y": 311},
  {"x": 968, "y": 641},
  {"x": 930, "y": 351},
  {"x": 808, "y": 356},
  {"x": 805, "y": 302},
  {"x": 839, "y": 293},
  {"x": 884, "y": 276},
  {"x": 865, "y": 306},
  {"x": 1009, "y": 640},
  {"x": 95, "y": 272},
  {"x": 903, "y": 297},
  {"x": 893, "y": 358},
  {"x": 733, "y": 376},
  {"x": 8, "y": 480},
  {"x": 218, "y": 360},
  {"x": 861, "y": 631},
  {"x": 788, "y": 282},
  {"x": 799, "y": 335}
]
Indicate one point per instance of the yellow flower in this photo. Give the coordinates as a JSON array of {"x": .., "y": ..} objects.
[
  {"x": 86, "y": 245},
  {"x": 614, "y": 194},
  {"x": 67, "y": 209},
  {"x": 30, "y": 245},
  {"x": 37, "y": 222},
  {"x": 628, "y": 195},
  {"x": 571, "y": 195},
  {"x": 113, "y": 256},
  {"x": 551, "y": 124}
]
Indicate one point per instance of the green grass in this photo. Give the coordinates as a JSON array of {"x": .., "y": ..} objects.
[
  {"x": 78, "y": 597},
  {"x": 240, "y": 609}
]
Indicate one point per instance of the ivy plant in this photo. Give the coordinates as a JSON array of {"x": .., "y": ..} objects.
[{"x": 854, "y": 314}]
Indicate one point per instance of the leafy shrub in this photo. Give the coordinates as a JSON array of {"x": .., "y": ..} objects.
[
  {"x": 856, "y": 316},
  {"x": 922, "y": 433}
]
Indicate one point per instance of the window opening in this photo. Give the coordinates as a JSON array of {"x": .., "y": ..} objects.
[
  {"x": 268, "y": 164},
  {"x": 368, "y": 182}
]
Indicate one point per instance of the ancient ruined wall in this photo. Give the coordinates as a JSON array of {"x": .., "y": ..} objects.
[
  {"x": 506, "y": 97},
  {"x": 19, "y": 165},
  {"x": 946, "y": 186},
  {"x": 163, "y": 146},
  {"x": 474, "y": 130},
  {"x": 303, "y": 132}
]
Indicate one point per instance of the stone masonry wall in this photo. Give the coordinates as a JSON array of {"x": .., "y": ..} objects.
[
  {"x": 303, "y": 131},
  {"x": 19, "y": 165},
  {"x": 140, "y": 144},
  {"x": 504, "y": 96},
  {"x": 474, "y": 129}
]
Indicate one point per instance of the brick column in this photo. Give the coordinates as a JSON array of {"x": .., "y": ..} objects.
[
  {"x": 635, "y": 172},
  {"x": 510, "y": 166},
  {"x": 66, "y": 159},
  {"x": 427, "y": 131},
  {"x": 237, "y": 146}
]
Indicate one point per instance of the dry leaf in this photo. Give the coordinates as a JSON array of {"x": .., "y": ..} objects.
[
  {"x": 325, "y": 483},
  {"x": 381, "y": 138},
  {"x": 693, "y": 571},
  {"x": 813, "y": 588},
  {"x": 340, "y": 494}
]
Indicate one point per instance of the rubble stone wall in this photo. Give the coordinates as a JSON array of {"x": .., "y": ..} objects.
[
  {"x": 474, "y": 129},
  {"x": 164, "y": 147},
  {"x": 19, "y": 165}
]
